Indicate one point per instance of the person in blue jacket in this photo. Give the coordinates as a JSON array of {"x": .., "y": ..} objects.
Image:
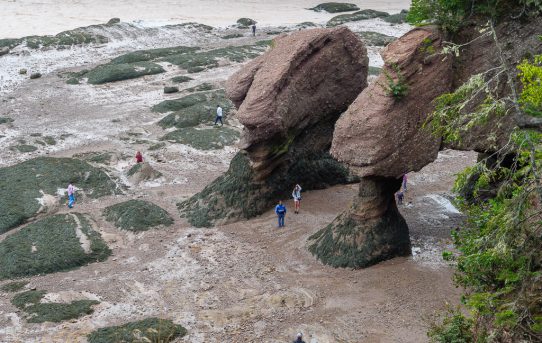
[{"x": 280, "y": 210}]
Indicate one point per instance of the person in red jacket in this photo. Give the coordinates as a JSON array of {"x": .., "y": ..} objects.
[{"x": 139, "y": 157}]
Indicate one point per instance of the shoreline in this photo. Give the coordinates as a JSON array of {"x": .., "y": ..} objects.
[{"x": 26, "y": 17}]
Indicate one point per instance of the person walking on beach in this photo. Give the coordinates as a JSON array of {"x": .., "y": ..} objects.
[
  {"x": 139, "y": 157},
  {"x": 299, "y": 338},
  {"x": 254, "y": 30},
  {"x": 296, "y": 194},
  {"x": 280, "y": 210},
  {"x": 219, "y": 115},
  {"x": 71, "y": 195}
]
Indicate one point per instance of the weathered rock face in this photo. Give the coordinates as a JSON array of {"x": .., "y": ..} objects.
[
  {"x": 288, "y": 100},
  {"x": 381, "y": 134},
  {"x": 381, "y": 138}
]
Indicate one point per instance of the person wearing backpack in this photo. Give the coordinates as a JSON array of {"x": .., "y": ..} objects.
[{"x": 280, "y": 210}]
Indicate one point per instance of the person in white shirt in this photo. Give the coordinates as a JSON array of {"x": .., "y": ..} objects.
[{"x": 219, "y": 115}]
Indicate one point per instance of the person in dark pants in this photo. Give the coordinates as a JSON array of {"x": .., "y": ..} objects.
[
  {"x": 219, "y": 115},
  {"x": 280, "y": 210},
  {"x": 254, "y": 30},
  {"x": 299, "y": 338}
]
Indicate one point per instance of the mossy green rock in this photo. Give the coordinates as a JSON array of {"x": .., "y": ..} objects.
[
  {"x": 204, "y": 138},
  {"x": 22, "y": 185},
  {"x": 152, "y": 54},
  {"x": 137, "y": 215},
  {"x": 5, "y": 120},
  {"x": 245, "y": 22},
  {"x": 14, "y": 286},
  {"x": 51, "y": 245},
  {"x": 335, "y": 7},
  {"x": 170, "y": 90},
  {"x": 25, "y": 148},
  {"x": 232, "y": 36},
  {"x": 236, "y": 194},
  {"x": 193, "y": 109},
  {"x": 38, "y": 312},
  {"x": 181, "y": 79},
  {"x": 124, "y": 71},
  {"x": 398, "y": 18},
  {"x": 202, "y": 60},
  {"x": 375, "y": 38},
  {"x": 153, "y": 330},
  {"x": 356, "y": 16}
]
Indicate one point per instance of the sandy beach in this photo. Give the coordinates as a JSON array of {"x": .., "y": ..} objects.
[{"x": 31, "y": 17}]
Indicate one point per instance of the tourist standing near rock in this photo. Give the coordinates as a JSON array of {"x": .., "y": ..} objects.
[
  {"x": 219, "y": 115},
  {"x": 254, "y": 30},
  {"x": 71, "y": 195},
  {"x": 296, "y": 194},
  {"x": 280, "y": 210},
  {"x": 139, "y": 157},
  {"x": 405, "y": 182}
]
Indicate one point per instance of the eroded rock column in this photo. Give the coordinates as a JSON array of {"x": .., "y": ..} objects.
[
  {"x": 381, "y": 137},
  {"x": 288, "y": 101}
]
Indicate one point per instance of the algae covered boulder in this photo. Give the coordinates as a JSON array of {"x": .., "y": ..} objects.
[
  {"x": 204, "y": 138},
  {"x": 245, "y": 22},
  {"x": 335, "y": 7},
  {"x": 53, "y": 244},
  {"x": 356, "y": 16},
  {"x": 171, "y": 89},
  {"x": 124, "y": 71},
  {"x": 26, "y": 187},
  {"x": 376, "y": 38},
  {"x": 137, "y": 215},
  {"x": 194, "y": 109},
  {"x": 40, "y": 312},
  {"x": 146, "y": 330}
]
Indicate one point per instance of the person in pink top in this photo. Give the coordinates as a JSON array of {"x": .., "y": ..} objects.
[{"x": 71, "y": 195}]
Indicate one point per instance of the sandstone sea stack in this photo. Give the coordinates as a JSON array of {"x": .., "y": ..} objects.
[
  {"x": 288, "y": 101},
  {"x": 381, "y": 138}
]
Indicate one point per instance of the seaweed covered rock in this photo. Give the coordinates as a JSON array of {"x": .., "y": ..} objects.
[
  {"x": 245, "y": 22},
  {"x": 146, "y": 330},
  {"x": 356, "y": 16},
  {"x": 124, "y": 71},
  {"x": 335, "y": 7},
  {"x": 37, "y": 311},
  {"x": 137, "y": 215},
  {"x": 33, "y": 186},
  {"x": 370, "y": 231},
  {"x": 194, "y": 109},
  {"x": 381, "y": 137},
  {"x": 53, "y": 244},
  {"x": 288, "y": 100},
  {"x": 203, "y": 138}
]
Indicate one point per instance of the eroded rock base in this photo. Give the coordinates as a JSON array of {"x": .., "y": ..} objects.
[
  {"x": 370, "y": 231},
  {"x": 239, "y": 195}
]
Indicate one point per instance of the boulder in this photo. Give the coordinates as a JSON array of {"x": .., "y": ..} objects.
[
  {"x": 171, "y": 89},
  {"x": 113, "y": 21},
  {"x": 381, "y": 137},
  {"x": 288, "y": 101},
  {"x": 4, "y": 51},
  {"x": 35, "y": 76},
  {"x": 22, "y": 71}
]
